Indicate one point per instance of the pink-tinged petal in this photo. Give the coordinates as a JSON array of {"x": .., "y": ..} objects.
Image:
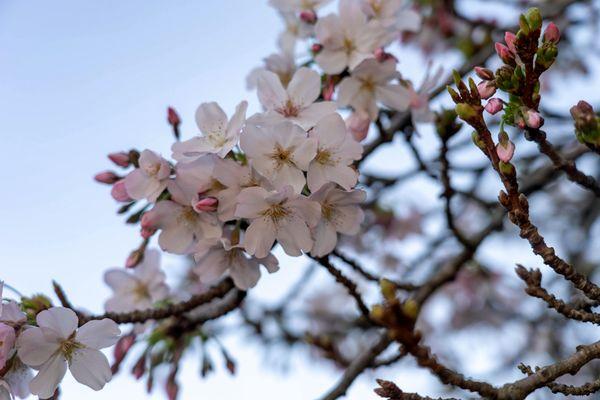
[
  {"x": 61, "y": 320},
  {"x": 245, "y": 273},
  {"x": 139, "y": 185},
  {"x": 304, "y": 88},
  {"x": 259, "y": 237},
  {"x": 271, "y": 93},
  {"x": 118, "y": 279},
  {"x": 270, "y": 262},
  {"x": 311, "y": 115},
  {"x": 33, "y": 348},
  {"x": 309, "y": 210},
  {"x": 304, "y": 153},
  {"x": 394, "y": 96},
  {"x": 237, "y": 120},
  {"x": 288, "y": 175},
  {"x": 347, "y": 90},
  {"x": 343, "y": 198},
  {"x": 347, "y": 219},
  {"x": 330, "y": 132},
  {"x": 351, "y": 14},
  {"x": 51, "y": 374},
  {"x": 294, "y": 237},
  {"x": 409, "y": 20},
  {"x": 98, "y": 334},
  {"x": 177, "y": 239},
  {"x": 332, "y": 61},
  {"x": 251, "y": 202},
  {"x": 211, "y": 118},
  {"x": 227, "y": 203},
  {"x": 90, "y": 367},
  {"x": 343, "y": 175},
  {"x": 211, "y": 266},
  {"x": 255, "y": 142},
  {"x": 315, "y": 177},
  {"x": 328, "y": 31},
  {"x": 358, "y": 123},
  {"x": 190, "y": 150},
  {"x": 325, "y": 239}
]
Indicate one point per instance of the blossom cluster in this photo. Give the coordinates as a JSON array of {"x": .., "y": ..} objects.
[{"x": 48, "y": 344}]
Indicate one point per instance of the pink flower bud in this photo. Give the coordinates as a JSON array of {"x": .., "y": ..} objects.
[
  {"x": 494, "y": 106},
  {"x": 173, "y": 117},
  {"x": 308, "y": 16},
  {"x": 316, "y": 48},
  {"x": 484, "y": 73},
  {"x": 552, "y": 34},
  {"x": 172, "y": 387},
  {"x": 139, "y": 369},
  {"x": 121, "y": 158},
  {"x": 107, "y": 177},
  {"x": 486, "y": 89},
  {"x": 147, "y": 233},
  {"x": 119, "y": 193},
  {"x": 381, "y": 55},
  {"x": 7, "y": 342},
  {"x": 358, "y": 124},
  {"x": 206, "y": 204},
  {"x": 505, "y": 152},
  {"x": 509, "y": 38},
  {"x": 328, "y": 89},
  {"x": 504, "y": 53},
  {"x": 122, "y": 347},
  {"x": 533, "y": 119}
]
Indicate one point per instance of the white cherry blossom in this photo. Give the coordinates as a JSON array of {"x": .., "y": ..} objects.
[
  {"x": 295, "y": 29},
  {"x": 150, "y": 179},
  {"x": 295, "y": 103},
  {"x": 347, "y": 38},
  {"x": 336, "y": 150},
  {"x": 56, "y": 342},
  {"x": 279, "y": 152},
  {"x": 392, "y": 14},
  {"x": 282, "y": 64},
  {"x": 15, "y": 381},
  {"x": 216, "y": 257},
  {"x": 297, "y": 6},
  {"x": 370, "y": 83},
  {"x": 277, "y": 215},
  {"x": 219, "y": 135},
  {"x": 138, "y": 288},
  {"x": 340, "y": 212}
]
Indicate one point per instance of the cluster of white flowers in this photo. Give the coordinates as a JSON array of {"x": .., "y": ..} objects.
[{"x": 48, "y": 347}]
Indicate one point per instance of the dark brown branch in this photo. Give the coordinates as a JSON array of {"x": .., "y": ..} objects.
[
  {"x": 568, "y": 390},
  {"x": 390, "y": 391}
]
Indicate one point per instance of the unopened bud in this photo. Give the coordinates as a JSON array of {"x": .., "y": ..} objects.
[
  {"x": 410, "y": 308},
  {"x": 509, "y": 38},
  {"x": 328, "y": 89},
  {"x": 465, "y": 111},
  {"x": 377, "y": 312},
  {"x": 381, "y": 55},
  {"x": 533, "y": 119},
  {"x": 534, "y": 18},
  {"x": 484, "y": 73},
  {"x": 206, "y": 204},
  {"x": 504, "y": 53},
  {"x": 308, "y": 16},
  {"x": 505, "y": 151},
  {"x": 494, "y": 106},
  {"x": 140, "y": 367},
  {"x": 173, "y": 117},
  {"x": 552, "y": 33},
  {"x": 486, "y": 89},
  {"x": 358, "y": 124},
  {"x": 122, "y": 347},
  {"x": 120, "y": 158},
  {"x": 119, "y": 193},
  {"x": 107, "y": 177},
  {"x": 587, "y": 124},
  {"x": 388, "y": 289},
  {"x": 134, "y": 258},
  {"x": 316, "y": 48}
]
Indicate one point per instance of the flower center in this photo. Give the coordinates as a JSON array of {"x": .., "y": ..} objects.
[
  {"x": 349, "y": 45},
  {"x": 289, "y": 109},
  {"x": 276, "y": 212},
  {"x": 281, "y": 156},
  {"x": 152, "y": 170},
  {"x": 368, "y": 85},
  {"x": 324, "y": 157},
  {"x": 188, "y": 217},
  {"x": 216, "y": 139},
  {"x": 68, "y": 347},
  {"x": 327, "y": 211},
  {"x": 141, "y": 292}
]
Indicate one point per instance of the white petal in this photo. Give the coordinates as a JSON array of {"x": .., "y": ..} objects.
[
  {"x": 395, "y": 96},
  {"x": 295, "y": 237},
  {"x": 139, "y": 186},
  {"x": 33, "y": 348},
  {"x": 98, "y": 334},
  {"x": 304, "y": 153},
  {"x": 251, "y": 201},
  {"x": 237, "y": 120},
  {"x": 211, "y": 266},
  {"x": 245, "y": 273},
  {"x": 60, "y": 319},
  {"x": 90, "y": 367},
  {"x": 348, "y": 89},
  {"x": 271, "y": 93},
  {"x": 304, "y": 88},
  {"x": 47, "y": 380},
  {"x": 311, "y": 115},
  {"x": 332, "y": 61},
  {"x": 176, "y": 239},
  {"x": 119, "y": 280},
  {"x": 347, "y": 219},
  {"x": 289, "y": 175},
  {"x": 211, "y": 118},
  {"x": 259, "y": 237},
  {"x": 325, "y": 239}
]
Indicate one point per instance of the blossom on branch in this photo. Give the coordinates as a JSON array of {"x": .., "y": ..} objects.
[{"x": 150, "y": 179}]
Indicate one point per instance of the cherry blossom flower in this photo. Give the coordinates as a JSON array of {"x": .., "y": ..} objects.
[
  {"x": 347, "y": 38},
  {"x": 56, "y": 342},
  {"x": 419, "y": 98},
  {"x": 295, "y": 29},
  {"x": 279, "y": 152},
  {"x": 150, "y": 179},
  {"x": 219, "y": 135},
  {"x": 282, "y": 64},
  {"x": 295, "y": 103},
  {"x": 392, "y": 14},
  {"x": 358, "y": 124},
  {"x": 370, "y": 83},
  {"x": 15, "y": 381},
  {"x": 7, "y": 342},
  {"x": 138, "y": 288},
  {"x": 281, "y": 215},
  {"x": 340, "y": 212},
  {"x": 336, "y": 150},
  {"x": 215, "y": 257}
]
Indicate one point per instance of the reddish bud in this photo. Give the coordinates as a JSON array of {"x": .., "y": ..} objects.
[
  {"x": 173, "y": 117},
  {"x": 107, "y": 177},
  {"x": 308, "y": 16},
  {"x": 552, "y": 34},
  {"x": 172, "y": 388},
  {"x": 505, "y": 152},
  {"x": 328, "y": 89},
  {"x": 206, "y": 204},
  {"x": 533, "y": 119},
  {"x": 486, "y": 89},
  {"x": 494, "y": 106},
  {"x": 119, "y": 193},
  {"x": 509, "y": 38},
  {"x": 381, "y": 55},
  {"x": 139, "y": 369},
  {"x": 134, "y": 258},
  {"x": 316, "y": 48},
  {"x": 121, "y": 158},
  {"x": 122, "y": 347},
  {"x": 504, "y": 53},
  {"x": 484, "y": 73}
]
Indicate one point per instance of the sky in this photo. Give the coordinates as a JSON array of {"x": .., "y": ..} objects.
[{"x": 81, "y": 79}]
